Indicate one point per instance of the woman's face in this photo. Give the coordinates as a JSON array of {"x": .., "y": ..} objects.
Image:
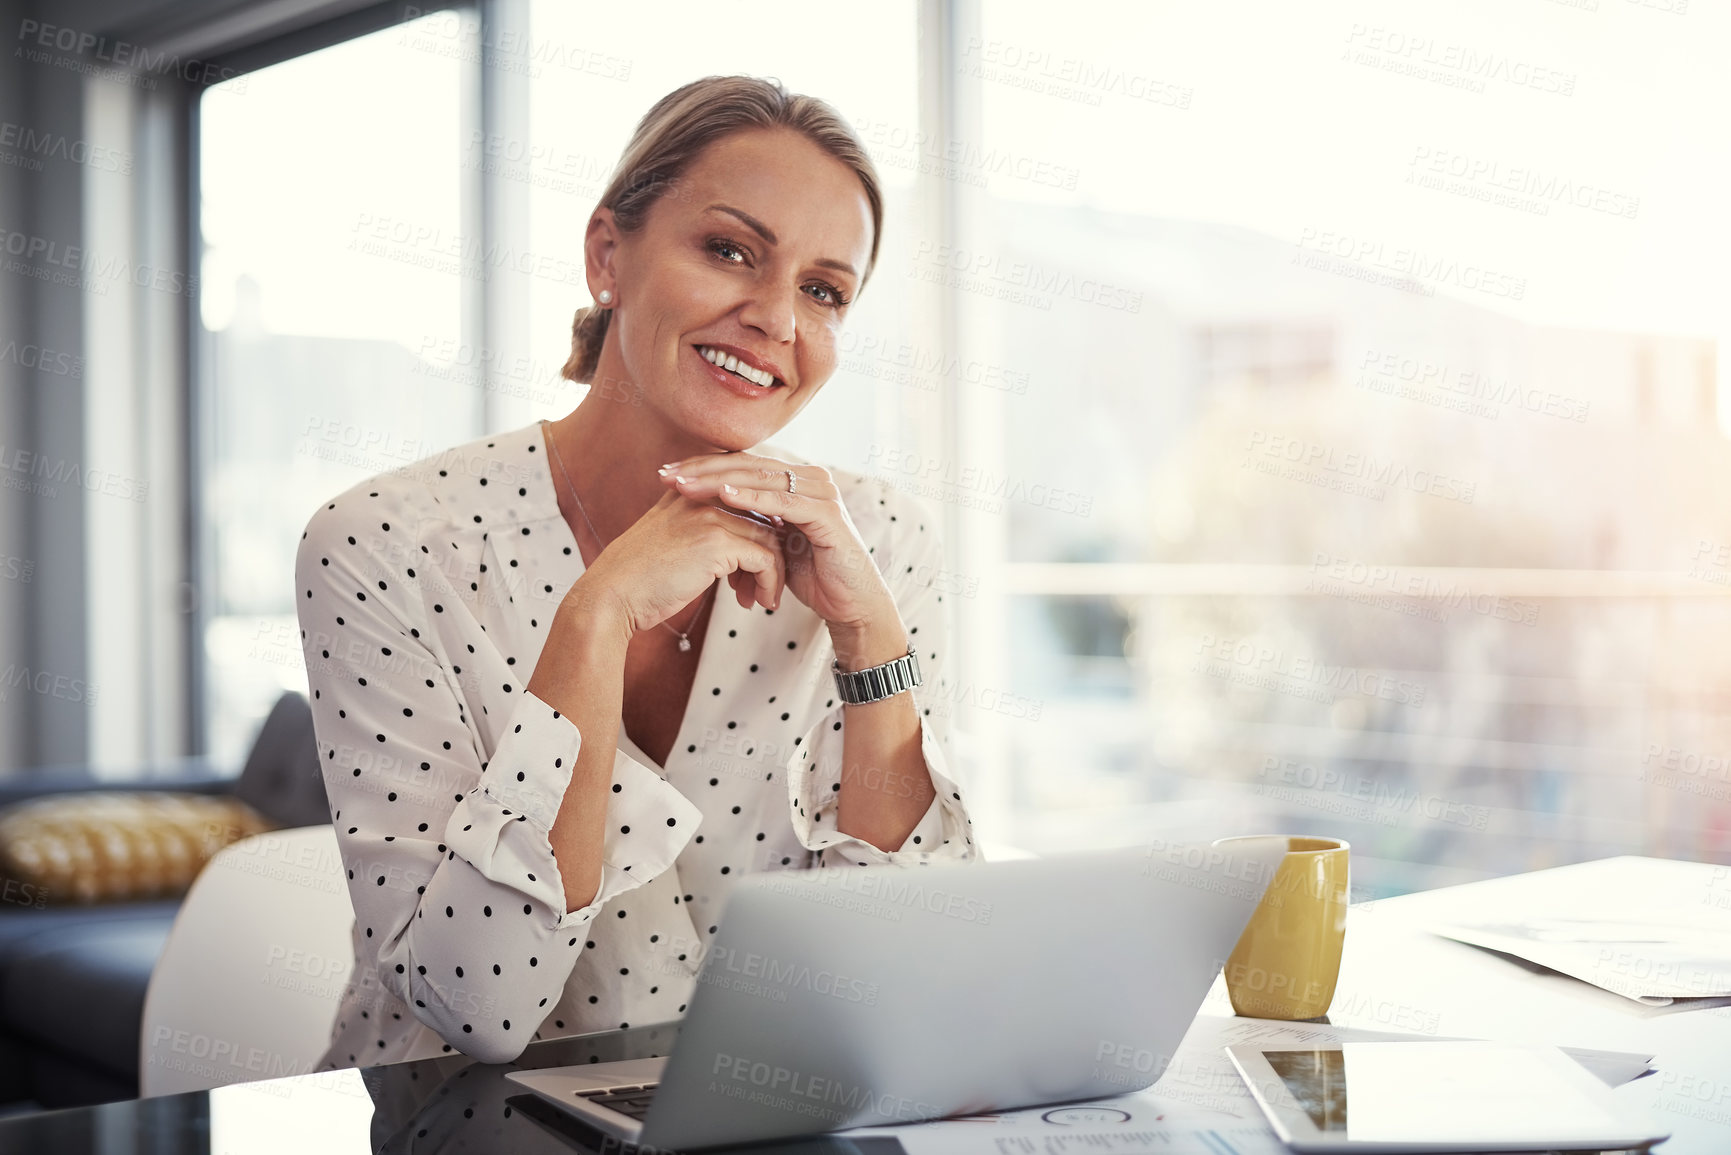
[{"x": 757, "y": 249}]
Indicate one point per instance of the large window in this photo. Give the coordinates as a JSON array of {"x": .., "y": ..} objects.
[
  {"x": 1382, "y": 348},
  {"x": 335, "y": 270},
  {"x": 1327, "y": 407}
]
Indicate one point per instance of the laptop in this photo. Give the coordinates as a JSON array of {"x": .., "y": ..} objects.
[{"x": 845, "y": 997}]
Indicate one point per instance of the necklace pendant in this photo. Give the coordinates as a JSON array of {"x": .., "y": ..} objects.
[{"x": 684, "y": 643}]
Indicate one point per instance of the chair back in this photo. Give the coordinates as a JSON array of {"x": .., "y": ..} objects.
[
  {"x": 255, "y": 966},
  {"x": 282, "y": 779}
]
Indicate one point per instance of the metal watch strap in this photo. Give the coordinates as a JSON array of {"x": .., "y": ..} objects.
[{"x": 874, "y": 683}]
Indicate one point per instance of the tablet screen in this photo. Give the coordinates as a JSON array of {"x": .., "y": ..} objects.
[
  {"x": 1444, "y": 1092},
  {"x": 1317, "y": 1080}
]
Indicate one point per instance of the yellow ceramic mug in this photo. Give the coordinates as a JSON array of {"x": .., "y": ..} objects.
[{"x": 1288, "y": 958}]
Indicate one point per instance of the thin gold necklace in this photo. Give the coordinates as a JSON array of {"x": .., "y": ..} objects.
[{"x": 684, "y": 638}]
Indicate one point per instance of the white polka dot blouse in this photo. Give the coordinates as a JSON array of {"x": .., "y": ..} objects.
[{"x": 424, "y": 596}]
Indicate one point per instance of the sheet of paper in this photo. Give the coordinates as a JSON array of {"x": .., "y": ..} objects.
[
  {"x": 1652, "y": 929},
  {"x": 1613, "y": 1068},
  {"x": 1653, "y": 959},
  {"x": 1200, "y": 1104}
]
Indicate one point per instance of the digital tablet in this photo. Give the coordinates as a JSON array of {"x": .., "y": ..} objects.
[{"x": 1437, "y": 1096}]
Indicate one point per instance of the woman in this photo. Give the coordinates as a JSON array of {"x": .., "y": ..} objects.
[{"x": 550, "y": 742}]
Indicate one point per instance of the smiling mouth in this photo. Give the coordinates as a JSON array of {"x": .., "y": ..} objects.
[{"x": 739, "y": 368}]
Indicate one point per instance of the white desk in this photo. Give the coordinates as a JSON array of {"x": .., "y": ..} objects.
[{"x": 1396, "y": 977}]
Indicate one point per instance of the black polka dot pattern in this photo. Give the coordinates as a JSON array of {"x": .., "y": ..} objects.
[{"x": 445, "y": 774}]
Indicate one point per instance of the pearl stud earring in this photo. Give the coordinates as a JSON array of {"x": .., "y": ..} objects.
[{"x": 606, "y": 296}]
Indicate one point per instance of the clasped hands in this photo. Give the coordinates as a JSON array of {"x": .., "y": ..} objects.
[{"x": 826, "y": 565}]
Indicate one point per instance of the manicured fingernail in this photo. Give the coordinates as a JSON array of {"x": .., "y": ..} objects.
[
  {"x": 668, "y": 466},
  {"x": 665, "y": 470},
  {"x": 726, "y": 488},
  {"x": 680, "y": 480}
]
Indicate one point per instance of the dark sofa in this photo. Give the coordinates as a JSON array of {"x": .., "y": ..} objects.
[{"x": 73, "y": 978}]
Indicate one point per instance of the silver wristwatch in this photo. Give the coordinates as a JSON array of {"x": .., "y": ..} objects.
[{"x": 875, "y": 683}]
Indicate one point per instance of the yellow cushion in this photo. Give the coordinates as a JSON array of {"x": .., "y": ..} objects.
[{"x": 107, "y": 846}]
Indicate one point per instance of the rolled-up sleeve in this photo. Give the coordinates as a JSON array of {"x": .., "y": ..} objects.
[
  {"x": 458, "y": 896},
  {"x": 912, "y": 562},
  {"x": 501, "y": 827}
]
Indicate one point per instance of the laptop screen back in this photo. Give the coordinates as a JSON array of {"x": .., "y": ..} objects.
[{"x": 852, "y": 996}]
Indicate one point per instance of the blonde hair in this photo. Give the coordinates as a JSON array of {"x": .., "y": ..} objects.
[{"x": 672, "y": 134}]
